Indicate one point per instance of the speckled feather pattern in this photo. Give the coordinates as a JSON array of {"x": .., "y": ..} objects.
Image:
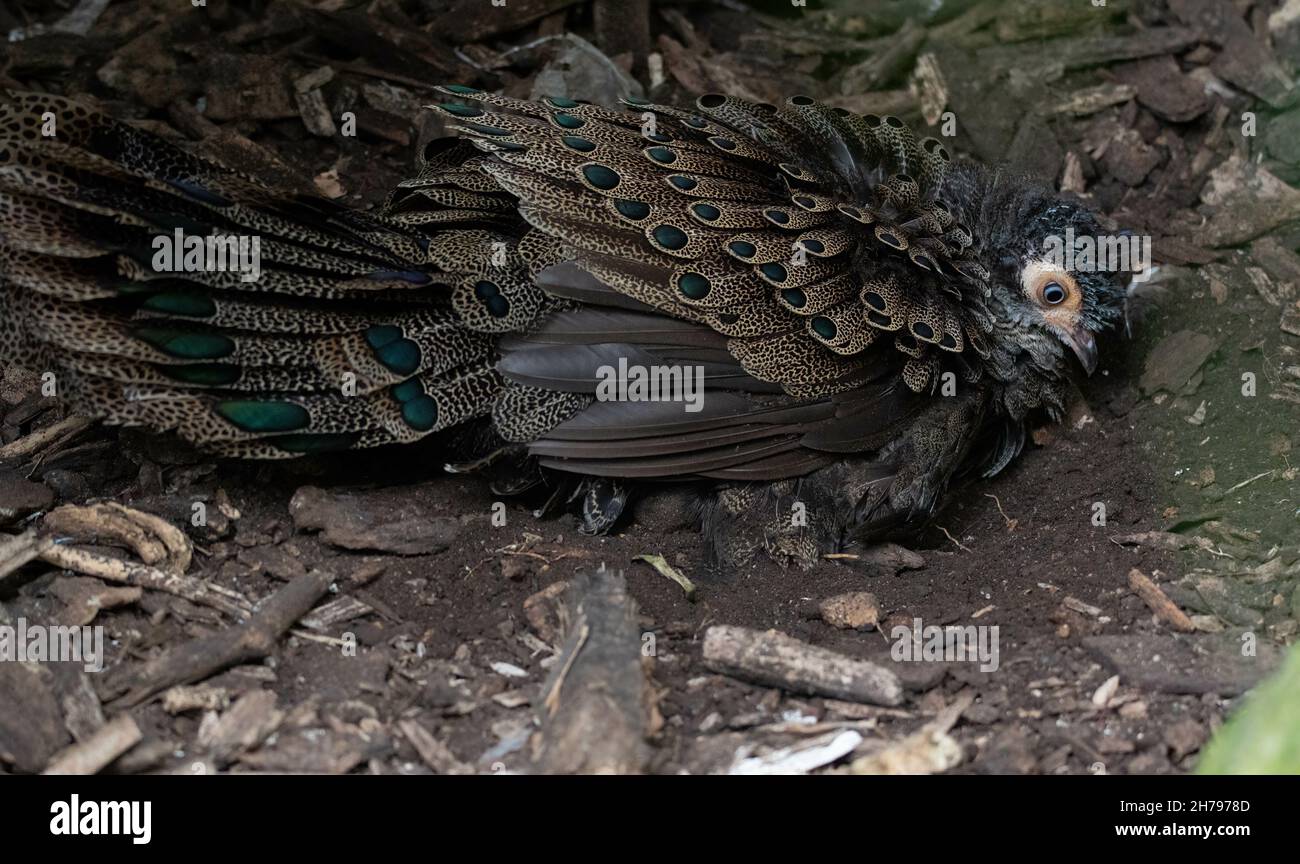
[{"x": 829, "y": 267}]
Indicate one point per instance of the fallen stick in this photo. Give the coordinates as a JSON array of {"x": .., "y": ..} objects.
[
  {"x": 254, "y": 639},
  {"x": 776, "y": 660},
  {"x": 29, "y": 546},
  {"x": 116, "y": 570},
  {"x": 598, "y": 707},
  {"x": 98, "y": 523},
  {"x": 48, "y": 436},
  {"x": 167, "y": 546},
  {"x": 1158, "y": 601},
  {"x": 18, "y": 551},
  {"x": 154, "y": 540},
  {"x": 1162, "y": 540},
  {"x": 179, "y": 550},
  {"x": 90, "y": 756}
]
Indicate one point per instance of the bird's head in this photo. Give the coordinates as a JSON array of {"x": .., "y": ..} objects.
[{"x": 1058, "y": 278}]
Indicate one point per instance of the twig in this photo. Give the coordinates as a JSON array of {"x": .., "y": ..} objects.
[
  {"x": 116, "y": 570},
  {"x": 319, "y": 637},
  {"x": 1159, "y": 603},
  {"x": 254, "y": 639},
  {"x": 1011, "y": 523},
  {"x": 953, "y": 539},
  {"x": 1247, "y": 482},
  {"x": 661, "y": 564},
  {"x": 45, "y": 437},
  {"x": 179, "y": 550},
  {"x": 154, "y": 541}
]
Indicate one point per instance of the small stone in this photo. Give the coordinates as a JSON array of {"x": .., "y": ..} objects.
[
  {"x": 1184, "y": 737},
  {"x": 315, "y": 113},
  {"x": 1133, "y": 710},
  {"x": 328, "y": 184},
  {"x": 1102, "y": 695},
  {"x": 511, "y": 699},
  {"x": 1248, "y": 201},
  {"x": 1175, "y": 361},
  {"x": 1130, "y": 159},
  {"x": 856, "y": 610}
]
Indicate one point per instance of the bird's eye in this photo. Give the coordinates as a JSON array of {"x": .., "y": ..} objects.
[{"x": 1053, "y": 293}]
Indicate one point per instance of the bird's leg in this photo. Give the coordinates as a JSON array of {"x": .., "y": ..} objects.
[
  {"x": 924, "y": 458},
  {"x": 851, "y": 503},
  {"x": 795, "y": 522}
]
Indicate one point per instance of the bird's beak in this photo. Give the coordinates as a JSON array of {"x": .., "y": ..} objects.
[{"x": 1085, "y": 347}]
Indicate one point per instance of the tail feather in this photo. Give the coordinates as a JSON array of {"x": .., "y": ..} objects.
[
  {"x": 353, "y": 330},
  {"x": 328, "y": 328}
]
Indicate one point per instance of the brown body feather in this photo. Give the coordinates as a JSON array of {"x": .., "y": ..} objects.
[{"x": 810, "y": 262}]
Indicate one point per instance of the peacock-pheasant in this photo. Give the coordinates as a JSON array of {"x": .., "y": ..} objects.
[{"x": 866, "y": 320}]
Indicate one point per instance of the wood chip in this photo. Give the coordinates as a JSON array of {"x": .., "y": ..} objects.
[
  {"x": 82, "y": 714},
  {"x": 202, "y": 697},
  {"x": 1162, "y": 540},
  {"x": 1090, "y": 100},
  {"x": 1081, "y": 607},
  {"x": 929, "y": 88},
  {"x": 541, "y": 610},
  {"x": 93, "y": 754},
  {"x": 252, "y": 640},
  {"x": 432, "y": 752},
  {"x": 244, "y": 726},
  {"x": 774, "y": 659},
  {"x": 335, "y": 612},
  {"x": 929, "y": 750},
  {"x": 1159, "y": 603}
]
